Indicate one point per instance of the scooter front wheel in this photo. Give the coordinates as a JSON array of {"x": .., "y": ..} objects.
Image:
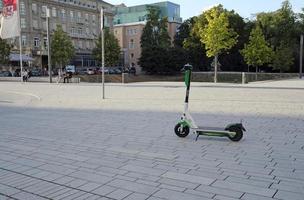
[
  {"x": 181, "y": 131},
  {"x": 238, "y": 134}
]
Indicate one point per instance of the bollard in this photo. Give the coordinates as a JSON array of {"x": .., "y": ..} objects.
[{"x": 243, "y": 78}]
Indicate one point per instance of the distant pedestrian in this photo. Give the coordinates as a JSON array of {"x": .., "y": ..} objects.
[{"x": 60, "y": 74}]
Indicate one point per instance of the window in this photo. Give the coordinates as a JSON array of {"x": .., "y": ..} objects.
[
  {"x": 36, "y": 42},
  {"x": 23, "y": 23},
  {"x": 80, "y": 44},
  {"x": 93, "y": 18},
  {"x": 44, "y": 25},
  {"x": 35, "y": 23},
  {"x": 34, "y": 8},
  {"x": 87, "y": 17},
  {"x": 62, "y": 14},
  {"x": 54, "y": 12},
  {"x": 43, "y": 11},
  {"x": 131, "y": 44},
  {"x": 72, "y": 15},
  {"x": 132, "y": 55},
  {"x": 64, "y": 27},
  {"x": 45, "y": 42},
  {"x": 22, "y": 8},
  {"x": 23, "y": 40},
  {"x": 54, "y": 26},
  {"x": 88, "y": 44}
]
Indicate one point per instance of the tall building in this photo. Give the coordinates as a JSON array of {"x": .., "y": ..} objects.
[
  {"x": 80, "y": 19},
  {"x": 130, "y": 21}
]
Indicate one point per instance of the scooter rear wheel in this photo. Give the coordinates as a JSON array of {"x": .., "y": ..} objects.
[
  {"x": 239, "y": 133},
  {"x": 181, "y": 131}
]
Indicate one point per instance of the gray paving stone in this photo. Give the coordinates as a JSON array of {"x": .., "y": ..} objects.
[
  {"x": 173, "y": 195},
  {"x": 244, "y": 188},
  {"x": 119, "y": 194},
  {"x": 136, "y": 196},
  {"x": 248, "y": 196},
  {"x": 221, "y": 191},
  {"x": 258, "y": 183},
  {"x": 27, "y": 196},
  {"x": 171, "y": 187},
  {"x": 188, "y": 178},
  {"x": 103, "y": 190},
  {"x": 219, "y": 197},
  {"x": 91, "y": 177},
  {"x": 289, "y": 195},
  {"x": 8, "y": 190},
  {"x": 135, "y": 187},
  {"x": 89, "y": 186},
  {"x": 200, "y": 193},
  {"x": 143, "y": 170}
]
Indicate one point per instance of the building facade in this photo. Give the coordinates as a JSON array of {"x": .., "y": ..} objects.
[
  {"x": 80, "y": 19},
  {"x": 129, "y": 23}
]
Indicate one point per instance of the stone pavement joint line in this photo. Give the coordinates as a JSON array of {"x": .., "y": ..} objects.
[{"x": 14, "y": 172}]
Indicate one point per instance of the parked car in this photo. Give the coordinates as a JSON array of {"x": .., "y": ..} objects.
[
  {"x": 81, "y": 71},
  {"x": 36, "y": 72},
  {"x": 90, "y": 71},
  {"x": 106, "y": 70},
  {"x": 5, "y": 74}
]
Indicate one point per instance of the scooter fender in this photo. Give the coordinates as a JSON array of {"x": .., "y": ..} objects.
[{"x": 239, "y": 125}]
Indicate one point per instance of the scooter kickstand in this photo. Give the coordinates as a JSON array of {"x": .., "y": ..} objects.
[{"x": 197, "y": 135}]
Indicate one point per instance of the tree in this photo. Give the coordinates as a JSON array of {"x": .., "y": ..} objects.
[
  {"x": 283, "y": 58},
  {"x": 155, "y": 43},
  {"x": 62, "y": 49},
  {"x": 5, "y": 50},
  {"x": 216, "y": 34},
  {"x": 188, "y": 41},
  {"x": 257, "y": 52},
  {"x": 280, "y": 29},
  {"x": 112, "y": 49}
]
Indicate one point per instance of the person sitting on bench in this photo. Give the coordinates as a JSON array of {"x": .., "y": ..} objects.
[{"x": 67, "y": 76}]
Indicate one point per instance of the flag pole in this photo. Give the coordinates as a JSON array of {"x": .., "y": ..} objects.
[{"x": 20, "y": 42}]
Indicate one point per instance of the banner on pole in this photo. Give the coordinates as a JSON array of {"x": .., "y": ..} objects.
[
  {"x": 9, "y": 21},
  {"x": 101, "y": 18}
]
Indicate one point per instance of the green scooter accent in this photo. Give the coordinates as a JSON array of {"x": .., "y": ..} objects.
[{"x": 233, "y": 131}]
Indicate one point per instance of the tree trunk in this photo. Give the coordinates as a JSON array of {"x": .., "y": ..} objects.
[
  {"x": 215, "y": 68},
  {"x": 256, "y": 73}
]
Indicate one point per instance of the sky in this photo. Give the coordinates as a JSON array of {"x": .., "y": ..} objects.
[{"x": 245, "y": 8}]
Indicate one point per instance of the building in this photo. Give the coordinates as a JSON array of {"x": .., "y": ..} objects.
[
  {"x": 80, "y": 19},
  {"x": 130, "y": 21}
]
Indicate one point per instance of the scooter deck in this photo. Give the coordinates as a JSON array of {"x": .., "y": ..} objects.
[
  {"x": 212, "y": 131},
  {"x": 203, "y": 128}
]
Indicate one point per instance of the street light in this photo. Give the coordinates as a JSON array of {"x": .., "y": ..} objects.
[
  {"x": 47, "y": 11},
  {"x": 102, "y": 51},
  {"x": 301, "y": 56}
]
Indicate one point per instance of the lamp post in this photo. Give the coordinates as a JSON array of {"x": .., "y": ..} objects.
[
  {"x": 301, "y": 56},
  {"x": 102, "y": 52},
  {"x": 47, "y": 10}
]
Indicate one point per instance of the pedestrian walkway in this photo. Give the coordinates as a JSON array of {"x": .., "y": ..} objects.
[{"x": 65, "y": 142}]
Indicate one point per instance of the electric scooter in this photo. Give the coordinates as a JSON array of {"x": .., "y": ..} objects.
[{"x": 233, "y": 131}]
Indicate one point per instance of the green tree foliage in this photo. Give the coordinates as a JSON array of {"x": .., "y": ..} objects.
[
  {"x": 216, "y": 33},
  {"x": 283, "y": 58},
  {"x": 62, "y": 49},
  {"x": 155, "y": 44},
  {"x": 112, "y": 49},
  {"x": 217, "y": 36},
  {"x": 257, "y": 52},
  {"x": 281, "y": 31},
  {"x": 5, "y": 50},
  {"x": 188, "y": 41}
]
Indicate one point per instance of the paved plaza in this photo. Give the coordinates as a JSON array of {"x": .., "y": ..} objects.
[{"x": 65, "y": 142}]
